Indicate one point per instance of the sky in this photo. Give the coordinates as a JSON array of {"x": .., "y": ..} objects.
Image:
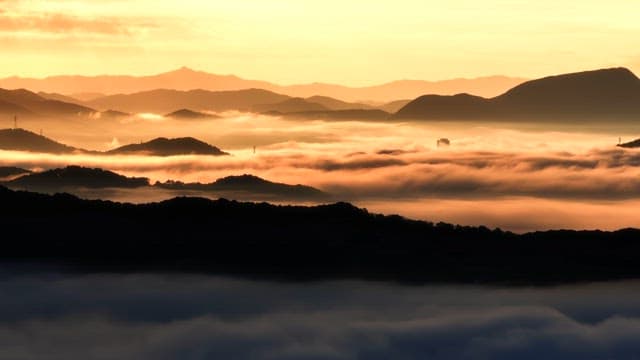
[{"x": 354, "y": 42}]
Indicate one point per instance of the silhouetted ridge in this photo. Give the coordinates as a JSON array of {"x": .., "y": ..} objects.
[
  {"x": 26, "y": 102},
  {"x": 356, "y": 114},
  {"x": 296, "y": 242},
  {"x": 439, "y": 106},
  {"x": 168, "y": 147},
  {"x": 23, "y": 140},
  {"x": 250, "y": 184},
  {"x": 585, "y": 95},
  {"x": 114, "y": 114},
  {"x": 631, "y": 144},
  {"x": 189, "y": 114},
  {"x": 335, "y": 104},
  {"x": 162, "y": 101},
  {"x": 289, "y": 106},
  {"x": 76, "y": 177},
  {"x": 8, "y": 171}
]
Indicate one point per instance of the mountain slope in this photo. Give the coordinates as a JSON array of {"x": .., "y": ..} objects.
[
  {"x": 75, "y": 177},
  {"x": 10, "y": 171},
  {"x": 585, "y": 95},
  {"x": 169, "y": 147},
  {"x": 23, "y": 140},
  {"x": 34, "y": 103}
]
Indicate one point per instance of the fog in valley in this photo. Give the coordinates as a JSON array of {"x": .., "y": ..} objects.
[{"x": 516, "y": 176}]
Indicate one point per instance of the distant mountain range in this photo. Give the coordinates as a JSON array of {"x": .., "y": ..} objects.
[
  {"x": 23, "y": 140},
  {"x": 609, "y": 94},
  {"x": 87, "y": 87}
]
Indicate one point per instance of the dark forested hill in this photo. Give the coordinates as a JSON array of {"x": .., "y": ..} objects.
[{"x": 298, "y": 243}]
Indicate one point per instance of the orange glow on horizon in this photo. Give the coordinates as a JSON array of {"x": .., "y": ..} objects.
[{"x": 287, "y": 41}]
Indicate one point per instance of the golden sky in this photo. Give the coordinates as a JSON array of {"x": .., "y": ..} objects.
[{"x": 353, "y": 42}]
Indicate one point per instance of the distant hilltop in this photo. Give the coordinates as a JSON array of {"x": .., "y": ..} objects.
[
  {"x": 168, "y": 147},
  {"x": 24, "y": 140}
]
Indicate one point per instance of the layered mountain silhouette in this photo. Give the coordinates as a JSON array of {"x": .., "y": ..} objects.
[
  {"x": 186, "y": 114},
  {"x": 23, "y": 140},
  {"x": 290, "y": 105},
  {"x": 358, "y": 114},
  {"x": 73, "y": 177},
  {"x": 256, "y": 100},
  {"x": 335, "y": 241},
  {"x": 335, "y": 104},
  {"x": 166, "y": 101},
  {"x": 24, "y": 102},
  {"x": 10, "y": 171},
  {"x": 250, "y": 184},
  {"x": 607, "y": 93},
  {"x": 113, "y": 114},
  {"x": 393, "y": 106},
  {"x": 168, "y": 147},
  {"x": 187, "y": 79}
]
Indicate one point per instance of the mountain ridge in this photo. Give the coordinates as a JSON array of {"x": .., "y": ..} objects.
[
  {"x": 613, "y": 92},
  {"x": 188, "y": 79}
]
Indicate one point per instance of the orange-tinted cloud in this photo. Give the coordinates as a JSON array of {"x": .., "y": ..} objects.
[{"x": 61, "y": 23}]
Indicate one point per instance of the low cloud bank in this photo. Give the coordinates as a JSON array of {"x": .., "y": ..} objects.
[{"x": 178, "y": 317}]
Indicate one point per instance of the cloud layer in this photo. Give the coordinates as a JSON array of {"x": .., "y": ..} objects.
[
  {"x": 544, "y": 178},
  {"x": 199, "y": 317}
]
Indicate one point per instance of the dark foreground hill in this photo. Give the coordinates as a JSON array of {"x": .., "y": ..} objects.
[
  {"x": 612, "y": 94},
  {"x": 168, "y": 147},
  {"x": 297, "y": 243}
]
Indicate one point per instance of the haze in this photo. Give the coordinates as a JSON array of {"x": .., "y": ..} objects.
[{"x": 287, "y": 41}]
